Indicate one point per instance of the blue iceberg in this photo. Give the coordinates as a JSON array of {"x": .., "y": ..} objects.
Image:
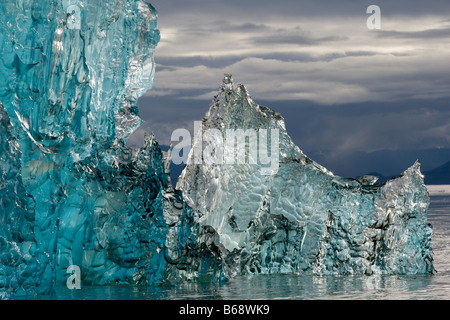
[{"x": 73, "y": 194}]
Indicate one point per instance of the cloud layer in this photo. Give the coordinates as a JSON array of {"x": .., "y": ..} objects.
[
  {"x": 342, "y": 87},
  {"x": 298, "y": 50}
]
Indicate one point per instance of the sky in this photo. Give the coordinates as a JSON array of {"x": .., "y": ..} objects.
[{"x": 355, "y": 99}]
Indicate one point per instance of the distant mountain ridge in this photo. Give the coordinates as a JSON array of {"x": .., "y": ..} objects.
[
  {"x": 386, "y": 162},
  {"x": 437, "y": 176},
  {"x": 440, "y": 175}
]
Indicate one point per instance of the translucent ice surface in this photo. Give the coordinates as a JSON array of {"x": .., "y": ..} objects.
[
  {"x": 70, "y": 77},
  {"x": 298, "y": 216},
  {"x": 73, "y": 196}
]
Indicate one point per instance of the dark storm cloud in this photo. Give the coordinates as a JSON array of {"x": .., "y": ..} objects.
[
  {"x": 296, "y": 39},
  {"x": 245, "y": 27},
  {"x": 224, "y": 61},
  {"x": 162, "y": 115},
  {"x": 443, "y": 33},
  {"x": 354, "y": 99},
  {"x": 358, "y": 138},
  {"x": 299, "y": 8},
  {"x": 312, "y": 48}
]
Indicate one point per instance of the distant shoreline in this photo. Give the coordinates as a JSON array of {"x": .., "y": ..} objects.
[{"x": 439, "y": 189}]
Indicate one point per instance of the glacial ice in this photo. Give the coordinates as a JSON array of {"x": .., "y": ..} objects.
[
  {"x": 73, "y": 193},
  {"x": 301, "y": 217}
]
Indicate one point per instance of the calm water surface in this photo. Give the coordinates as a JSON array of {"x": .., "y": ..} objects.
[{"x": 304, "y": 287}]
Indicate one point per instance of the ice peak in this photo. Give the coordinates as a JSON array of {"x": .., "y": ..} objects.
[
  {"x": 300, "y": 206},
  {"x": 415, "y": 168},
  {"x": 227, "y": 82}
]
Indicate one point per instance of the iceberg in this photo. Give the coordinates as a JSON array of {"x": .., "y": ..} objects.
[
  {"x": 74, "y": 197},
  {"x": 297, "y": 216},
  {"x": 24, "y": 265},
  {"x": 70, "y": 77}
]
